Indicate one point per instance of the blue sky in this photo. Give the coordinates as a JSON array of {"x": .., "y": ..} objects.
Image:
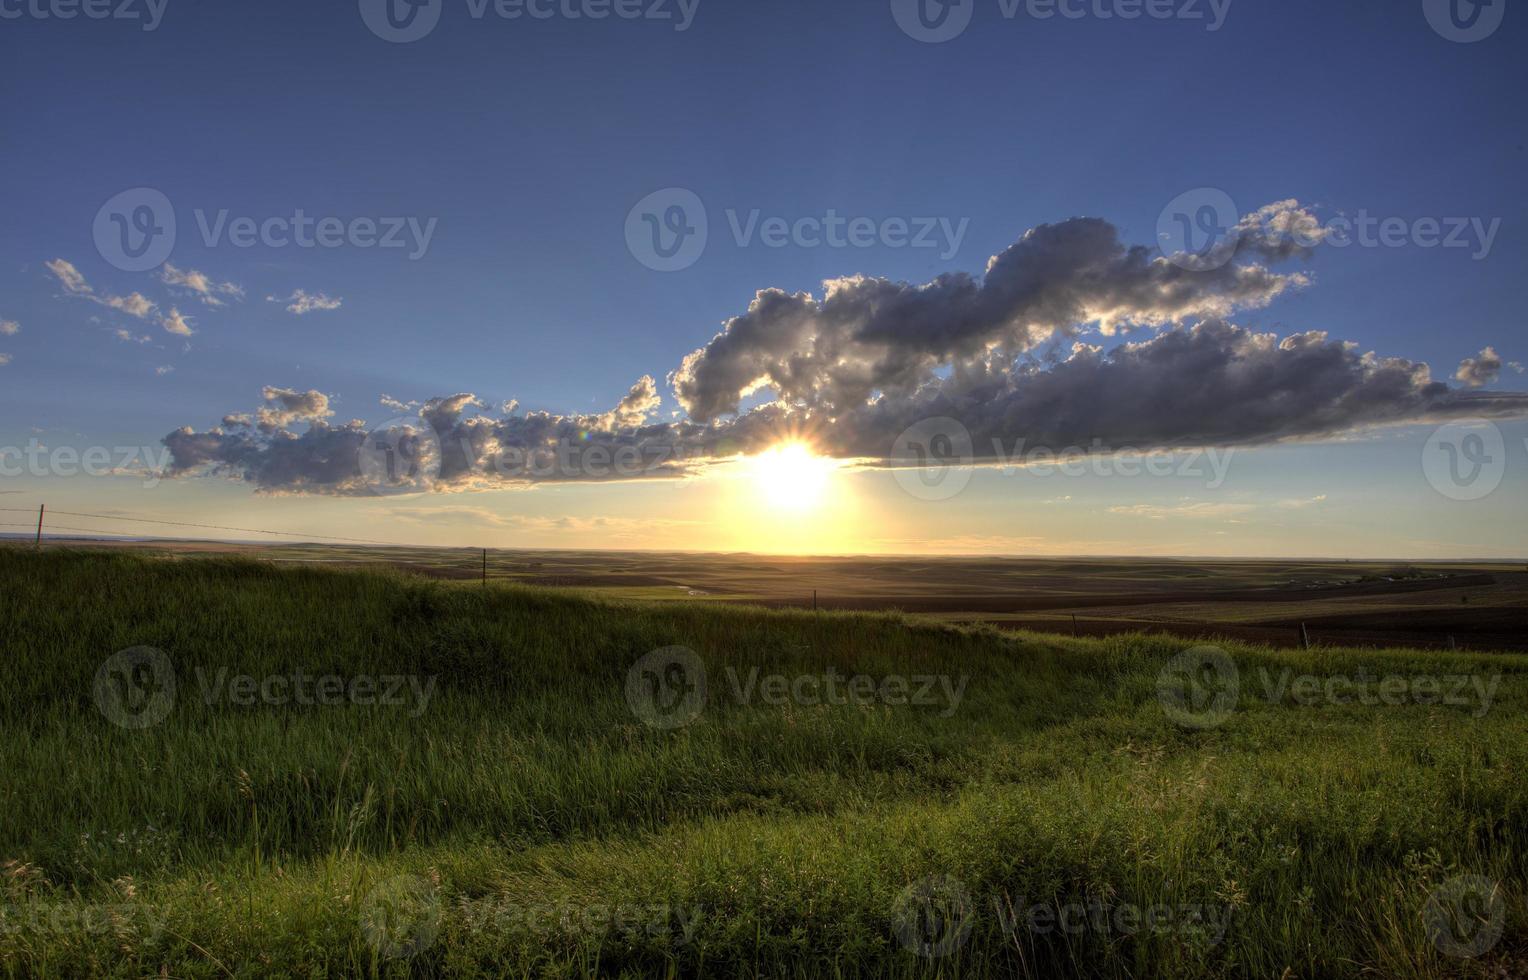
[{"x": 527, "y": 142}]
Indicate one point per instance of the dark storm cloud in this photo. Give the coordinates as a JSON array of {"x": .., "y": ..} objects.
[{"x": 854, "y": 369}]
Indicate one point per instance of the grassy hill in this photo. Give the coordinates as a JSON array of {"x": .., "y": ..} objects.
[{"x": 523, "y": 802}]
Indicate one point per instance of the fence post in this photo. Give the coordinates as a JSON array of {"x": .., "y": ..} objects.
[
  {"x": 41, "y": 509},
  {"x": 485, "y": 566}
]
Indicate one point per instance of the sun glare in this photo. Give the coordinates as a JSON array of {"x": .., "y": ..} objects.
[{"x": 791, "y": 477}]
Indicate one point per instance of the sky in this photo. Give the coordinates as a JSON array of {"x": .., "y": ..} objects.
[{"x": 1276, "y": 249}]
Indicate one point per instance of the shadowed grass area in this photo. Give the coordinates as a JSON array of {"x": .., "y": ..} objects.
[{"x": 1037, "y": 813}]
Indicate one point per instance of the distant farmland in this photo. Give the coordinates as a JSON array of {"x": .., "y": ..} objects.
[{"x": 1460, "y": 604}]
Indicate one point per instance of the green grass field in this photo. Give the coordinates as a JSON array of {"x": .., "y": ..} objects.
[{"x": 527, "y": 808}]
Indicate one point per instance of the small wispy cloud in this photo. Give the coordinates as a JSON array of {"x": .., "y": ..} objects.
[
  {"x": 302, "y": 302},
  {"x": 164, "y": 369},
  {"x": 74, "y": 284},
  {"x": 388, "y": 401},
  {"x": 9, "y": 328},
  {"x": 176, "y": 323},
  {"x": 1201, "y": 509},
  {"x": 128, "y": 337},
  {"x": 207, "y": 289},
  {"x": 69, "y": 277},
  {"x": 1300, "y": 503},
  {"x": 4, "y": 359},
  {"x": 482, "y": 516}
]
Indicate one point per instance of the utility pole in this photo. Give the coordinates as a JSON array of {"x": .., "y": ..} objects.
[{"x": 41, "y": 509}]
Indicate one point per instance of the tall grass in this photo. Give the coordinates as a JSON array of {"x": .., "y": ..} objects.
[{"x": 526, "y": 822}]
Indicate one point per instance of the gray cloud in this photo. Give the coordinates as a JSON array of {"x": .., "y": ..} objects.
[
  {"x": 873, "y": 335},
  {"x": 854, "y": 369}
]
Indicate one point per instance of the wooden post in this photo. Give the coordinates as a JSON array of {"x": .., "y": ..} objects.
[
  {"x": 485, "y": 566},
  {"x": 1074, "y": 624},
  {"x": 1304, "y": 637},
  {"x": 814, "y": 600},
  {"x": 1451, "y": 644},
  {"x": 41, "y": 508}
]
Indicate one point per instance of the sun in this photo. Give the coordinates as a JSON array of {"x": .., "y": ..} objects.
[{"x": 791, "y": 477}]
